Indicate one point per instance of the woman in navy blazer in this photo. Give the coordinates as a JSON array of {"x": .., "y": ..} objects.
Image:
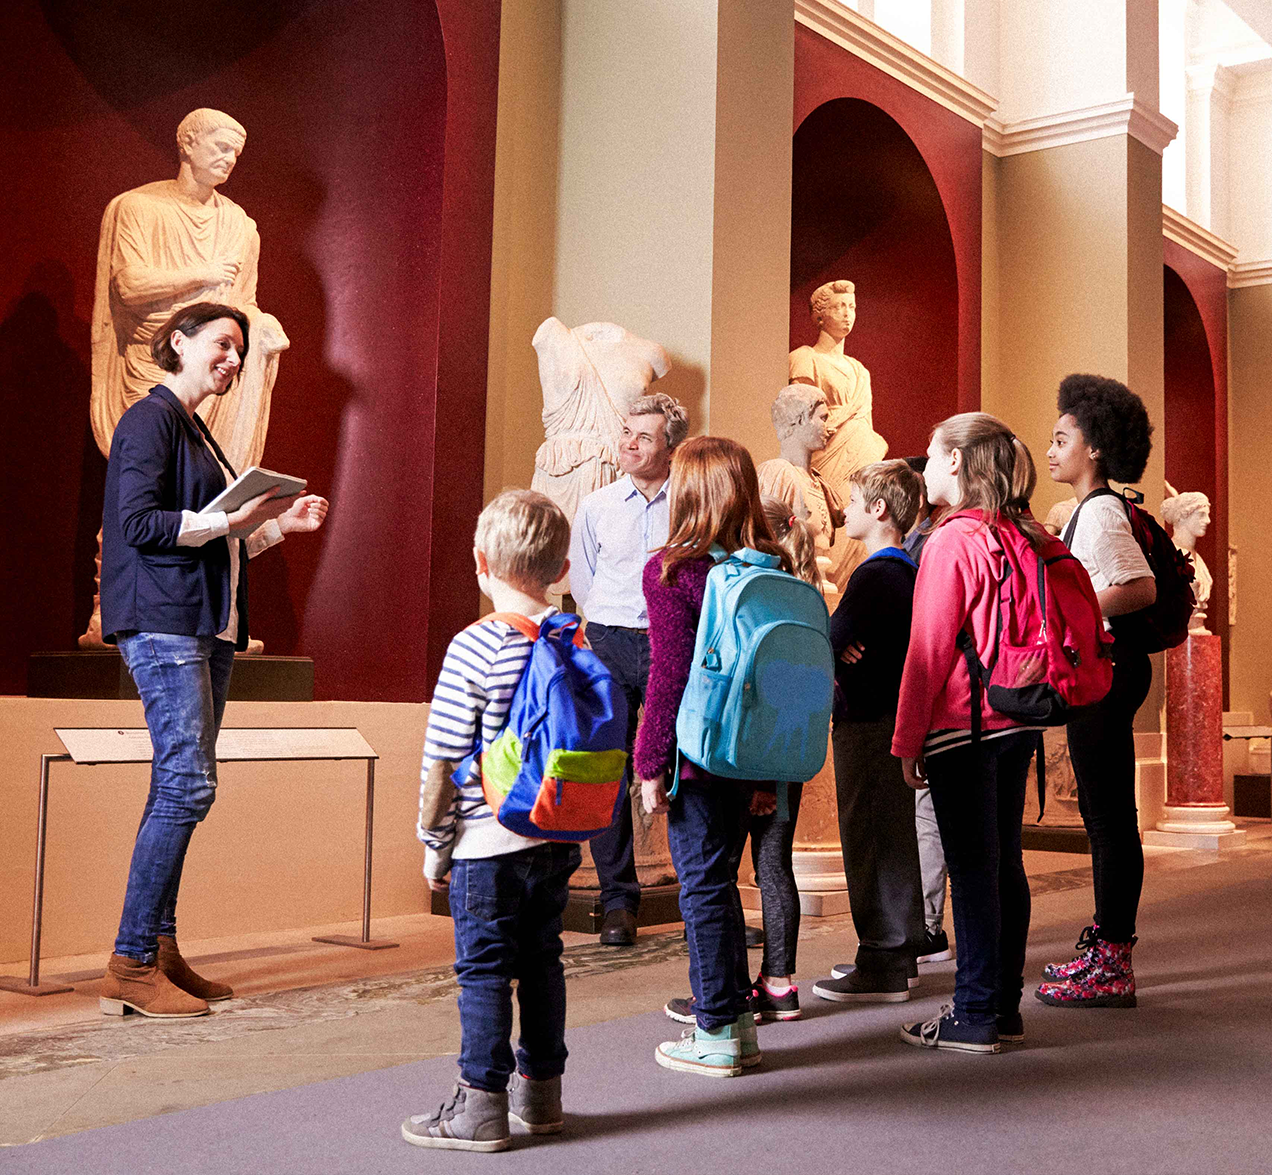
[{"x": 174, "y": 598}]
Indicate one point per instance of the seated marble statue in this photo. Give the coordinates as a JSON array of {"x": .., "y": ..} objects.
[
  {"x": 1188, "y": 516},
  {"x": 166, "y": 245},
  {"x": 800, "y": 421},
  {"x": 590, "y": 376},
  {"x": 852, "y": 442}
]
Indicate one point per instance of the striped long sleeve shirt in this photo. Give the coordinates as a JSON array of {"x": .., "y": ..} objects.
[{"x": 474, "y": 691}]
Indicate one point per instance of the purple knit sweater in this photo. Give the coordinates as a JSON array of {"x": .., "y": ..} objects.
[{"x": 674, "y": 610}]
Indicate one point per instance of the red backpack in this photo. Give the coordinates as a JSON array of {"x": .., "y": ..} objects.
[{"x": 1051, "y": 654}]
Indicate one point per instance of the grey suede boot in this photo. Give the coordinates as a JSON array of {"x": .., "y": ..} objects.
[
  {"x": 536, "y": 1105},
  {"x": 473, "y": 1120}
]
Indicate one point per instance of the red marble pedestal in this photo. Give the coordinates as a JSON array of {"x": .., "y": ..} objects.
[{"x": 1195, "y": 815}]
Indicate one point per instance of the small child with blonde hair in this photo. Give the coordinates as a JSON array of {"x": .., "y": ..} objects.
[{"x": 507, "y": 892}]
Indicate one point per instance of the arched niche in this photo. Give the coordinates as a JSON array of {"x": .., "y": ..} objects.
[
  {"x": 864, "y": 206},
  {"x": 1189, "y": 427},
  {"x": 369, "y": 169}
]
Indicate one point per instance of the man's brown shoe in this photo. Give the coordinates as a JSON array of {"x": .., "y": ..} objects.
[
  {"x": 129, "y": 985},
  {"x": 180, "y": 972}
]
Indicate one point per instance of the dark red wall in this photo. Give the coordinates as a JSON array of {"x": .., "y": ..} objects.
[
  {"x": 1196, "y": 426},
  {"x": 369, "y": 170},
  {"x": 887, "y": 193}
]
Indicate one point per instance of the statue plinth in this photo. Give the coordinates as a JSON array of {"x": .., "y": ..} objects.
[{"x": 1195, "y": 815}]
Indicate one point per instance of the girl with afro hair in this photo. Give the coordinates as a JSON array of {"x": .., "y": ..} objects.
[{"x": 1103, "y": 435}]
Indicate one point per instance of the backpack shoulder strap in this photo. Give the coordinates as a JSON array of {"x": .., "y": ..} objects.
[
  {"x": 523, "y": 624},
  {"x": 1067, "y": 537}
]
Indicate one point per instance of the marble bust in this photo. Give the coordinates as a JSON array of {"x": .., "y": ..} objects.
[
  {"x": 590, "y": 375},
  {"x": 1188, "y": 516},
  {"x": 166, "y": 245},
  {"x": 800, "y": 419},
  {"x": 852, "y": 442}
]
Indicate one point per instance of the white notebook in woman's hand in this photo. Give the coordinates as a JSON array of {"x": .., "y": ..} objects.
[{"x": 251, "y": 483}]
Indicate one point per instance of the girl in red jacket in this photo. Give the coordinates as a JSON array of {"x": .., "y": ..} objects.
[{"x": 975, "y": 464}]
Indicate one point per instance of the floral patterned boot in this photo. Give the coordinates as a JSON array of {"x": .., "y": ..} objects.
[
  {"x": 1074, "y": 967},
  {"x": 1108, "y": 982}
]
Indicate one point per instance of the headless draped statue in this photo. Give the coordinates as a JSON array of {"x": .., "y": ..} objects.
[
  {"x": 166, "y": 245},
  {"x": 590, "y": 375},
  {"x": 852, "y": 442}
]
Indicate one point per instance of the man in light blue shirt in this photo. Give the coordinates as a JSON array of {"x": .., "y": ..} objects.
[{"x": 615, "y": 530}]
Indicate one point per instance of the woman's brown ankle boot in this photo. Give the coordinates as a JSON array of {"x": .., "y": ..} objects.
[
  {"x": 180, "y": 972},
  {"x": 140, "y": 987}
]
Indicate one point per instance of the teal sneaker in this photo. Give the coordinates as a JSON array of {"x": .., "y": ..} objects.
[
  {"x": 710, "y": 1054},
  {"x": 751, "y": 1055}
]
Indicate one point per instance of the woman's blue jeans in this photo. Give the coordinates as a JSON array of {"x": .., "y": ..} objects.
[{"x": 183, "y": 682}]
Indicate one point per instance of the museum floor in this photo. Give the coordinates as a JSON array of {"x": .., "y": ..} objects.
[{"x": 326, "y": 1050}]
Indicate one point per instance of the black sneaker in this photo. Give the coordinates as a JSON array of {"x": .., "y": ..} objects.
[
  {"x": 839, "y": 970},
  {"x": 768, "y": 1006},
  {"x": 934, "y": 949},
  {"x": 854, "y": 987},
  {"x": 681, "y": 1010},
  {"x": 1011, "y": 1028},
  {"x": 945, "y": 1031}
]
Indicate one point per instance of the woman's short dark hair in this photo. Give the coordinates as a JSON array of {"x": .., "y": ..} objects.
[
  {"x": 1114, "y": 422},
  {"x": 189, "y": 321}
]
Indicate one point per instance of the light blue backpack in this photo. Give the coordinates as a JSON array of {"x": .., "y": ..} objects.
[{"x": 758, "y": 701}]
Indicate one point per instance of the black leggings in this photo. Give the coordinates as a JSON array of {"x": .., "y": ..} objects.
[
  {"x": 771, "y": 841},
  {"x": 1102, "y": 749}
]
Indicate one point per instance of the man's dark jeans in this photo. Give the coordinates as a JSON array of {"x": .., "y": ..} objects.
[
  {"x": 978, "y": 793},
  {"x": 507, "y": 915},
  {"x": 706, "y": 829},
  {"x": 625, "y": 653}
]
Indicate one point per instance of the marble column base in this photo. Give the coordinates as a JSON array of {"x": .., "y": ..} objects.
[{"x": 1196, "y": 826}]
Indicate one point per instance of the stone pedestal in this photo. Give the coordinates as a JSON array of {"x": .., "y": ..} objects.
[{"x": 1195, "y": 815}]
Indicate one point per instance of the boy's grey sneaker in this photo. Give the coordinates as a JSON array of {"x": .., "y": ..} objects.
[
  {"x": 473, "y": 1120},
  {"x": 536, "y": 1105},
  {"x": 854, "y": 987},
  {"x": 839, "y": 970},
  {"x": 935, "y": 947},
  {"x": 946, "y": 1031}
]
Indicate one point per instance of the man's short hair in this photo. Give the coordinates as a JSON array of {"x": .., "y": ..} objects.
[
  {"x": 795, "y": 403},
  {"x": 525, "y": 538},
  {"x": 897, "y": 484},
  {"x": 200, "y": 122},
  {"x": 675, "y": 418}
]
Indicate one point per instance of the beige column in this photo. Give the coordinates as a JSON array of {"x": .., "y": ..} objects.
[{"x": 1075, "y": 246}]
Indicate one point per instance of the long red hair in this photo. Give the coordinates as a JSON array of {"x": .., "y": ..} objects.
[{"x": 714, "y": 499}]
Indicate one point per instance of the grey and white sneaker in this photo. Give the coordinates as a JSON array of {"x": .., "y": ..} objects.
[
  {"x": 840, "y": 970},
  {"x": 935, "y": 947},
  {"x": 473, "y": 1120},
  {"x": 855, "y": 987},
  {"x": 536, "y": 1105}
]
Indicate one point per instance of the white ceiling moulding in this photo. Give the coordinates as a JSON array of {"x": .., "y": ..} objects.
[
  {"x": 865, "y": 39},
  {"x": 1178, "y": 228},
  {"x": 1250, "y": 273},
  {"x": 1124, "y": 116}
]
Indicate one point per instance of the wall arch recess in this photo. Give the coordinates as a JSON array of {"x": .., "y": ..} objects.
[{"x": 864, "y": 206}]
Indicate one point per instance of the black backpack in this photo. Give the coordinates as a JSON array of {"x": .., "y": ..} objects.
[{"x": 1164, "y": 623}]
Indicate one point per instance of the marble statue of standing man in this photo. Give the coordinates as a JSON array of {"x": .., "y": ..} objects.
[
  {"x": 166, "y": 245},
  {"x": 852, "y": 442}
]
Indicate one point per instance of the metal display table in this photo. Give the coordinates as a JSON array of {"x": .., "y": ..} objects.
[{"x": 91, "y": 746}]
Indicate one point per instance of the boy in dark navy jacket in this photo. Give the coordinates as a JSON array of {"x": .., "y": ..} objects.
[{"x": 869, "y": 633}]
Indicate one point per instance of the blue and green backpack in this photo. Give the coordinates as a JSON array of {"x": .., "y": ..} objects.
[
  {"x": 555, "y": 771},
  {"x": 758, "y": 701}
]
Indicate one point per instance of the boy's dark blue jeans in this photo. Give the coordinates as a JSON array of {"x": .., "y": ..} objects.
[{"x": 507, "y": 914}]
